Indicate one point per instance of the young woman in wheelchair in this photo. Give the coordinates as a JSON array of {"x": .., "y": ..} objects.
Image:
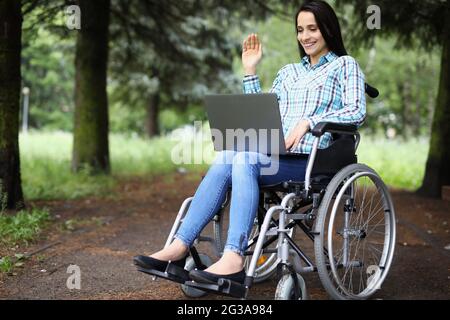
[{"x": 327, "y": 85}]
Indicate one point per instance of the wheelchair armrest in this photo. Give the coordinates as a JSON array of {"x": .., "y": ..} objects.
[{"x": 322, "y": 127}]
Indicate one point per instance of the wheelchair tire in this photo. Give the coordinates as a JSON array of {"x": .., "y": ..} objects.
[
  {"x": 286, "y": 288},
  {"x": 190, "y": 265},
  {"x": 357, "y": 234}
]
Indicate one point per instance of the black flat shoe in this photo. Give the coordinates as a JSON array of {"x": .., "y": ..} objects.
[
  {"x": 156, "y": 264},
  {"x": 208, "y": 277}
]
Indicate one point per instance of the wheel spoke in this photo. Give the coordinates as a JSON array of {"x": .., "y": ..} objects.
[{"x": 358, "y": 228}]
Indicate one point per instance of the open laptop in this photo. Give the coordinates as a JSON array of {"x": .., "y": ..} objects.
[{"x": 246, "y": 122}]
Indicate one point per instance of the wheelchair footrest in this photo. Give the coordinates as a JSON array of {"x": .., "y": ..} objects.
[
  {"x": 172, "y": 273},
  {"x": 223, "y": 286}
]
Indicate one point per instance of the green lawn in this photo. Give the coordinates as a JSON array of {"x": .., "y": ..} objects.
[
  {"x": 400, "y": 164},
  {"x": 45, "y": 161}
]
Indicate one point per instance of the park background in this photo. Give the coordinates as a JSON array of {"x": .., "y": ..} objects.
[{"x": 107, "y": 103}]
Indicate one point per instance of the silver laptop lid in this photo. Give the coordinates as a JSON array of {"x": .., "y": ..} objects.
[{"x": 246, "y": 122}]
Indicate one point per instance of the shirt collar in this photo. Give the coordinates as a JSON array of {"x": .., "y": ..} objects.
[{"x": 330, "y": 56}]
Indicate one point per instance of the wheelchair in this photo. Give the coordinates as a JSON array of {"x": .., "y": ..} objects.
[{"x": 343, "y": 207}]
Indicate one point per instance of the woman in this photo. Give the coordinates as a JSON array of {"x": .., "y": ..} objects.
[{"x": 327, "y": 85}]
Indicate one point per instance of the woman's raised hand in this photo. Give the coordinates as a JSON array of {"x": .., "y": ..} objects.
[{"x": 251, "y": 53}]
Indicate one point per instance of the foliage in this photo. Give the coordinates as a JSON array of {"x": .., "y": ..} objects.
[
  {"x": 20, "y": 228},
  {"x": 177, "y": 49},
  {"x": 48, "y": 70},
  {"x": 412, "y": 22},
  {"x": 6, "y": 265},
  {"x": 23, "y": 226},
  {"x": 408, "y": 95},
  {"x": 407, "y": 79}
]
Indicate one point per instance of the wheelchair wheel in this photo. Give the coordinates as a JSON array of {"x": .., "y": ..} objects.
[
  {"x": 267, "y": 263},
  {"x": 286, "y": 288},
  {"x": 355, "y": 239},
  {"x": 190, "y": 265}
]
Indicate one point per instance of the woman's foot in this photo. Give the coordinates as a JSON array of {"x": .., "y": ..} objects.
[
  {"x": 230, "y": 262},
  {"x": 230, "y": 266},
  {"x": 175, "y": 251}
]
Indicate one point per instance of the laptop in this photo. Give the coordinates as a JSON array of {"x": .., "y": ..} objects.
[{"x": 246, "y": 122}]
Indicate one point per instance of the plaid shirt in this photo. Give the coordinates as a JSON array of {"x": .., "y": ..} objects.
[{"x": 331, "y": 91}]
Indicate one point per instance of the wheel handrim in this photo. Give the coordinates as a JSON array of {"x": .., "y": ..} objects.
[{"x": 360, "y": 231}]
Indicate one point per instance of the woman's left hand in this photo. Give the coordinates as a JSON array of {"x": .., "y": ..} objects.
[{"x": 294, "y": 137}]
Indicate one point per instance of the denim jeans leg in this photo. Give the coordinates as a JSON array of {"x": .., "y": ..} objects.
[
  {"x": 208, "y": 198},
  {"x": 247, "y": 176},
  {"x": 244, "y": 200}
]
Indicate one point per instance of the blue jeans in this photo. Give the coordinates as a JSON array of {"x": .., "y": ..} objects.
[{"x": 244, "y": 171}]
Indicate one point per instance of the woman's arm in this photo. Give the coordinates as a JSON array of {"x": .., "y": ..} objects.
[
  {"x": 251, "y": 56},
  {"x": 353, "y": 109},
  {"x": 252, "y": 84}
]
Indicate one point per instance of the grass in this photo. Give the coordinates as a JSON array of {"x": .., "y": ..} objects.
[
  {"x": 22, "y": 227},
  {"x": 45, "y": 168},
  {"x": 45, "y": 161},
  {"x": 401, "y": 164},
  {"x": 19, "y": 229}
]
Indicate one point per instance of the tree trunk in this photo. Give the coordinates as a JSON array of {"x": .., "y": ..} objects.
[
  {"x": 151, "y": 123},
  {"x": 91, "y": 146},
  {"x": 11, "y": 196},
  {"x": 437, "y": 172}
]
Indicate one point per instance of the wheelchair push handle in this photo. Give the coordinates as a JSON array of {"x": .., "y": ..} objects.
[{"x": 371, "y": 91}]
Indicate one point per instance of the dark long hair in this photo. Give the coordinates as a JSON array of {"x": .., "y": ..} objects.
[{"x": 328, "y": 24}]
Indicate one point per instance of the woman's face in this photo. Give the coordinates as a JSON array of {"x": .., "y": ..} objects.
[{"x": 309, "y": 35}]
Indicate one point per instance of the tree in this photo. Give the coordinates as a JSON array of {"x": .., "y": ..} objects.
[
  {"x": 424, "y": 23},
  {"x": 90, "y": 146},
  {"x": 176, "y": 51},
  {"x": 11, "y": 196},
  {"x": 48, "y": 70},
  {"x": 170, "y": 28}
]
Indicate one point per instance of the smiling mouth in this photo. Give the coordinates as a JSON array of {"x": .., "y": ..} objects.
[{"x": 309, "y": 45}]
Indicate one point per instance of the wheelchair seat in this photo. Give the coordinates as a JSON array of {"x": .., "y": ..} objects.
[{"x": 341, "y": 151}]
